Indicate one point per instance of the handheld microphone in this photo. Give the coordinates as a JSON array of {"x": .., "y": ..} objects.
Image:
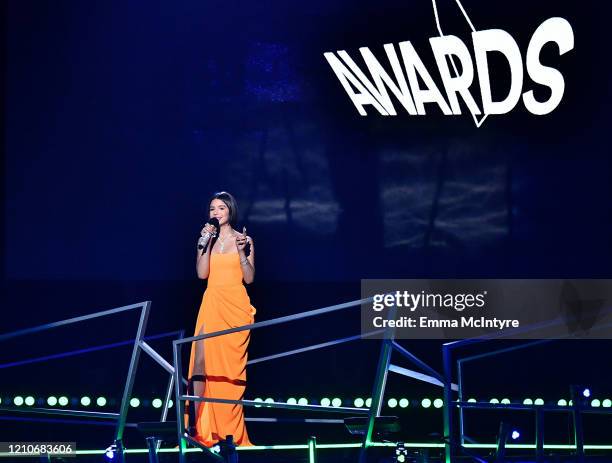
[{"x": 205, "y": 238}]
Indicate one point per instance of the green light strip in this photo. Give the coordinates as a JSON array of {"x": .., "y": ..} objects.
[
  {"x": 350, "y": 445},
  {"x": 274, "y": 447},
  {"x": 311, "y": 452}
]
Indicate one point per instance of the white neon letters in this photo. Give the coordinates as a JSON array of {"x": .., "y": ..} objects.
[{"x": 408, "y": 70}]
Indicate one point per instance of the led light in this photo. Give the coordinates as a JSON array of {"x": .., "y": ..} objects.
[
  {"x": 539, "y": 402},
  {"x": 586, "y": 392},
  {"x": 18, "y": 401},
  {"x": 63, "y": 401},
  {"x": 157, "y": 403},
  {"x": 269, "y": 400},
  {"x": 515, "y": 435},
  {"x": 594, "y": 403},
  {"x": 438, "y": 403},
  {"x": 562, "y": 403},
  {"x": 336, "y": 402},
  {"x": 472, "y": 400},
  {"x": 258, "y": 399},
  {"x": 494, "y": 401},
  {"x": 110, "y": 452},
  {"x": 527, "y": 402},
  {"x": 403, "y": 403},
  {"x": 426, "y": 403},
  {"x": 392, "y": 403},
  {"x": 292, "y": 401},
  {"x": 505, "y": 401},
  {"x": 325, "y": 402},
  {"x": 101, "y": 401},
  {"x": 368, "y": 402},
  {"x": 52, "y": 401},
  {"x": 85, "y": 401},
  {"x": 29, "y": 401},
  {"x": 607, "y": 403},
  {"x": 170, "y": 403},
  {"x": 134, "y": 402},
  {"x": 302, "y": 401},
  {"x": 359, "y": 402}
]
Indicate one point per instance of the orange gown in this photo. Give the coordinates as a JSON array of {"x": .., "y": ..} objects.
[{"x": 225, "y": 304}]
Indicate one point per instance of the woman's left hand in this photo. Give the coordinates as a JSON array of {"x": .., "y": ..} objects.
[{"x": 242, "y": 240}]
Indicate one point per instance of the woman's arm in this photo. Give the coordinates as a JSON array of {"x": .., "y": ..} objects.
[
  {"x": 203, "y": 260},
  {"x": 247, "y": 264},
  {"x": 203, "y": 263}
]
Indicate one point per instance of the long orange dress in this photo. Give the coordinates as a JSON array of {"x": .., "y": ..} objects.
[{"x": 225, "y": 304}]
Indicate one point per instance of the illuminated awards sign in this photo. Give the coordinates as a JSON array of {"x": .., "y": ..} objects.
[{"x": 373, "y": 85}]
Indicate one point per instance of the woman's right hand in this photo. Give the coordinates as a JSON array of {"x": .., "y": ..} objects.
[{"x": 208, "y": 228}]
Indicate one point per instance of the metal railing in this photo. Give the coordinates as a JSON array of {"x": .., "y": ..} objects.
[
  {"x": 457, "y": 441},
  {"x": 139, "y": 344},
  {"x": 383, "y": 367}
]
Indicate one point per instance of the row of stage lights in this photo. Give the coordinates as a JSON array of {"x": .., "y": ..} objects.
[{"x": 85, "y": 401}]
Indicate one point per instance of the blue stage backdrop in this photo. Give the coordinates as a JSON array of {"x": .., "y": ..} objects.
[{"x": 122, "y": 118}]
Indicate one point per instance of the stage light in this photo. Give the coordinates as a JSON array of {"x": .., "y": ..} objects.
[
  {"x": 527, "y": 402},
  {"x": 258, "y": 399},
  {"x": 336, "y": 402},
  {"x": 302, "y": 401},
  {"x": 494, "y": 401},
  {"x": 170, "y": 403},
  {"x": 29, "y": 401},
  {"x": 368, "y": 402},
  {"x": 292, "y": 401},
  {"x": 505, "y": 401},
  {"x": 325, "y": 402},
  {"x": 269, "y": 400},
  {"x": 101, "y": 401},
  {"x": 52, "y": 401},
  {"x": 595, "y": 403},
  {"x": 562, "y": 403},
  {"x": 110, "y": 453},
  {"x": 359, "y": 402},
  {"x": 504, "y": 434},
  {"x": 18, "y": 401},
  {"x": 403, "y": 403},
  {"x": 426, "y": 403},
  {"x": 607, "y": 403},
  {"x": 85, "y": 401},
  {"x": 401, "y": 453},
  {"x": 586, "y": 392},
  {"x": 157, "y": 403},
  {"x": 134, "y": 402},
  {"x": 539, "y": 402},
  {"x": 438, "y": 403},
  {"x": 392, "y": 403},
  {"x": 63, "y": 401},
  {"x": 472, "y": 400}
]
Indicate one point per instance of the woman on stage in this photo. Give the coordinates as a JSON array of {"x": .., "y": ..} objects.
[{"x": 217, "y": 367}]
